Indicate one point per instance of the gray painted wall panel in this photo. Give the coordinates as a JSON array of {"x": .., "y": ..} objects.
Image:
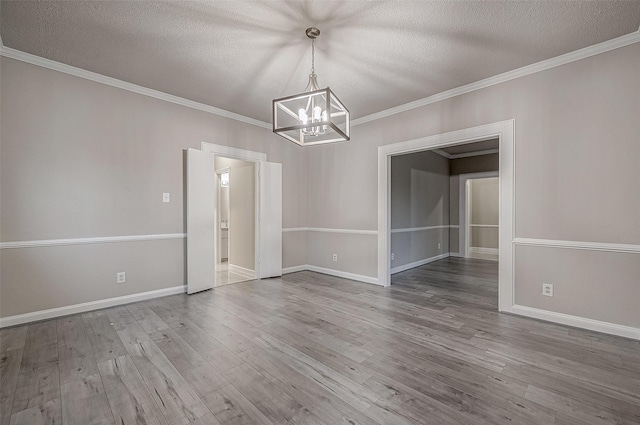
[{"x": 594, "y": 284}]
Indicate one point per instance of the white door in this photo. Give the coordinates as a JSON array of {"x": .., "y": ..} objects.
[
  {"x": 270, "y": 220},
  {"x": 201, "y": 225}
]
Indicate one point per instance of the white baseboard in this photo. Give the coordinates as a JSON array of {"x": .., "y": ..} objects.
[
  {"x": 294, "y": 269},
  {"x": 346, "y": 275},
  {"x": 456, "y": 254},
  {"x": 244, "y": 272},
  {"x": 575, "y": 321},
  {"x": 35, "y": 316},
  {"x": 418, "y": 263},
  {"x": 332, "y": 272},
  {"x": 483, "y": 251}
]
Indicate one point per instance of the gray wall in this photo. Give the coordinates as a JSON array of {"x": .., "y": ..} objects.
[
  {"x": 419, "y": 198},
  {"x": 474, "y": 164},
  {"x": 81, "y": 159},
  {"x": 576, "y": 156}
]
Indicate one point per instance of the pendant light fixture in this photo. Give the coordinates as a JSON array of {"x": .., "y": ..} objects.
[{"x": 313, "y": 117}]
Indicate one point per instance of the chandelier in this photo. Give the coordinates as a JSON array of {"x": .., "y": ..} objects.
[{"x": 313, "y": 117}]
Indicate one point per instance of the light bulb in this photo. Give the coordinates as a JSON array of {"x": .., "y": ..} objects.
[
  {"x": 302, "y": 116},
  {"x": 317, "y": 111}
]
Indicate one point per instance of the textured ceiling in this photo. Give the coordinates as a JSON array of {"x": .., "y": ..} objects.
[{"x": 238, "y": 55}]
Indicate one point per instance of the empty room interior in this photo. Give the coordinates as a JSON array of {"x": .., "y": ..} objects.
[{"x": 319, "y": 212}]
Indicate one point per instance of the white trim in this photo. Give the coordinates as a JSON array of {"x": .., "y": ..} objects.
[
  {"x": 544, "y": 65},
  {"x": 242, "y": 271},
  {"x": 331, "y": 272},
  {"x": 20, "y": 319},
  {"x": 113, "y": 82},
  {"x": 294, "y": 269},
  {"x": 495, "y": 226},
  {"x": 505, "y": 131},
  {"x": 483, "y": 251},
  {"x": 345, "y": 275},
  {"x": 84, "y": 241},
  {"x": 456, "y": 254},
  {"x": 235, "y": 153},
  {"x": 465, "y": 154},
  {"x": 329, "y": 230},
  {"x": 575, "y": 321},
  {"x": 419, "y": 263},
  {"x": 591, "y": 246},
  {"x": 476, "y": 153},
  {"x": 294, "y": 229},
  {"x": 418, "y": 229}
]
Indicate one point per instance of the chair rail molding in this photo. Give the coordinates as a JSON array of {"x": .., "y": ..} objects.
[{"x": 94, "y": 240}]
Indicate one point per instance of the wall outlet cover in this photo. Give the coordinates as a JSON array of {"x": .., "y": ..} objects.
[
  {"x": 166, "y": 197},
  {"x": 335, "y": 257},
  {"x": 393, "y": 256},
  {"x": 121, "y": 277},
  {"x": 547, "y": 289}
]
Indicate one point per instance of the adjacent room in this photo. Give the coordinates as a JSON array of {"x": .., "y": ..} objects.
[{"x": 319, "y": 212}]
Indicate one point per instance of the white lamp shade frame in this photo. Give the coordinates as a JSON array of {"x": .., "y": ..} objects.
[{"x": 334, "y": 126}]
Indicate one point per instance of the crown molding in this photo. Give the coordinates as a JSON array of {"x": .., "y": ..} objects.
[
  {"x": 113, "y": 82},
  {"x": 544, "y": 65}
]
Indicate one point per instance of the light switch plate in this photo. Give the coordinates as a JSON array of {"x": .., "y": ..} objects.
[{"x": 166, "y": 197}]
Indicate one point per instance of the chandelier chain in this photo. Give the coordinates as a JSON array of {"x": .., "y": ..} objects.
[{"x": 313, "y": 57}]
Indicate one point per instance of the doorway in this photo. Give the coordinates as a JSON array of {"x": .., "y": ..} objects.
[
  {"x": 263, "y": 206},
  {"x": 236, "y": 194},
  {"x": 504, "y": 132},
  {"x": 432, "y": 213},
  {"x": 482, "y": 218}
]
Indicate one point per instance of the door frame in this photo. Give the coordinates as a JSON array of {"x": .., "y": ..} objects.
[
  {"x": 505, "y": 132},
  {"x": 249, "y": 156},
  {"x": 464, "y": 207},
  {"x": 218, "y": 221}
]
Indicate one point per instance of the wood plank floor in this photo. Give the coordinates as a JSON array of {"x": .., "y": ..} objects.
[{"x": 314, "y": 349}]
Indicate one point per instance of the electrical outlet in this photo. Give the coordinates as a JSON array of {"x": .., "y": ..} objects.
[
  {"x": 166, "y": 197},
  {"x": 121, "y": 277},
  {"x": 547, "y": 289},
  {"x": 393, "y": 256},
  {"x": 439, "y": 245},
  {"x": 335, "y": 257}
]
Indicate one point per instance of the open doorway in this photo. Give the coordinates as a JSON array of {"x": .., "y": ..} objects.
[
  {"x": 235, "y": 220},
  {"x": 262, "y": 206},
  {"x": 444, "y": 202},
  {"x": 482, "y": 224},
  {"x": 503, "y": 132}
]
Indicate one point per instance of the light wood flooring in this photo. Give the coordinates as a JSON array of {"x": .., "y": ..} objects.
[
  {"x": 226, "y": 277},
  {"x": 314, "y": 349}
]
